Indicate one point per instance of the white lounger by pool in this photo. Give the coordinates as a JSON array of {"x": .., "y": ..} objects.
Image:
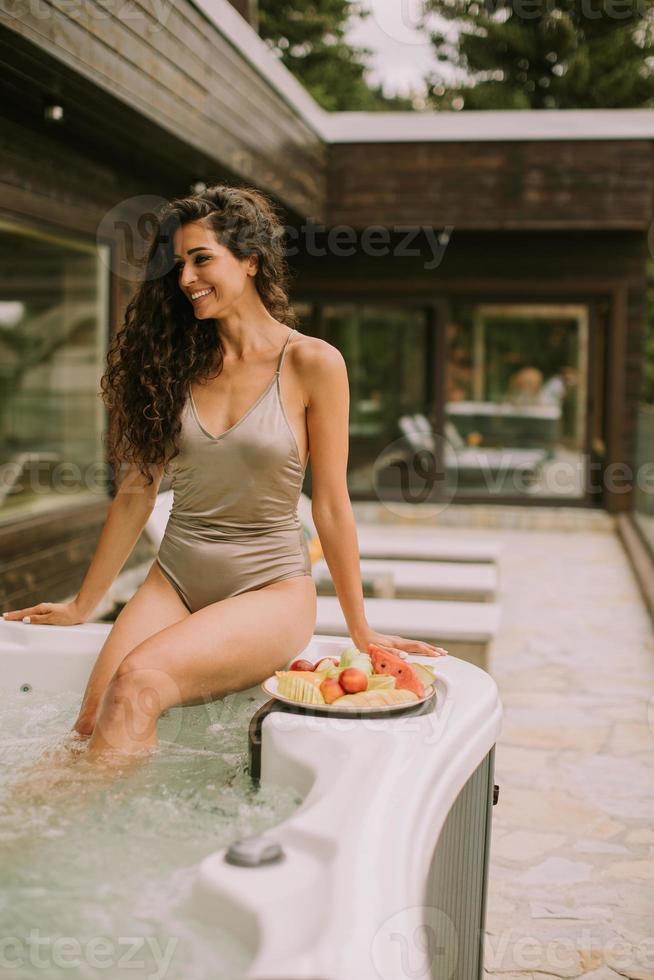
[
  {"x": 413, "y": 544},
  {"x": 407, "y": 543},
  {"x": 473, "y": 582},
  {"x": 465, "y": 629}
]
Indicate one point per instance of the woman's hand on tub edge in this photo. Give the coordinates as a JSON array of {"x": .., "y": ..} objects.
[
  {"x": 48, "y": 613},
  {"x": 398, "y": 645}
]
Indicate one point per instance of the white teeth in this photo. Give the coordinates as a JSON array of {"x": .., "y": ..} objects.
[{"x": 203, "y": 292}]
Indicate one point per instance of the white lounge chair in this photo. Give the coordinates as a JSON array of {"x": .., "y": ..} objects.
[
  {"x": 457, "y": 581},
  {"x": 156, "y": 523},
  {"x": 465, "y": 629},
  {"x": 406, "y": 543},
  {"x": 475, "y": 465}
]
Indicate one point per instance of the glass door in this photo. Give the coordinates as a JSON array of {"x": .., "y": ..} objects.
[{"x": 516, "y": 396}]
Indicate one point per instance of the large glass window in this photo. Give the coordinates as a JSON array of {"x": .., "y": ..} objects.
[
  {"x": 516, "y": 397},
  {"x": 53, "y": 336},
  {"x": 513, "y": 390},
  {"x": 390, "y": 370}
]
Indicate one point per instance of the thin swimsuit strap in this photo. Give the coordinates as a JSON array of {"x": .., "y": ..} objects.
[{"x": 281, "y": 357}]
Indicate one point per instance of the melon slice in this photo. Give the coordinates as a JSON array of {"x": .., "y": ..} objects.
[
  {"x": 290, "y": 685},
  {"x": 426, "y": 674},
  {"x": 375, "y": 699},
  {"x": 380, "y": 682}
]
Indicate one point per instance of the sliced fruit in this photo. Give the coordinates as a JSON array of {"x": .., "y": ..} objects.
[
  {"x": 291, "y": 684},
  {"x": 381, "y": 682},
  {"x": 384, "y": 662},
  {"x": 351, "y": 657},
  {"x": 372, "y": 699},
  {"x": 426, "y": 674}
]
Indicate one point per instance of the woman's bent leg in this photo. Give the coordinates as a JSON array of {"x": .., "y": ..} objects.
[{"x": 154, "y": 606}]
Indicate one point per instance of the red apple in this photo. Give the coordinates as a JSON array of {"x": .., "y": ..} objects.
[
  {"x": 301, "y": 665},
  {"x": 327, "y": 662},
  {"x": 331, "y": 689},
  {"x": 353, "y": 680}
]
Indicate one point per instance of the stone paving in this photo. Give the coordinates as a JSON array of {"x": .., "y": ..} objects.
[{"x": 572, "y": 861}]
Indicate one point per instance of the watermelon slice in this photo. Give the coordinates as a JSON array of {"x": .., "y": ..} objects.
[{"x": 405, "y": 676}]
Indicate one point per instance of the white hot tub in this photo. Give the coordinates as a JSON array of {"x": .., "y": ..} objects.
[{"x": 383, "y": 866}]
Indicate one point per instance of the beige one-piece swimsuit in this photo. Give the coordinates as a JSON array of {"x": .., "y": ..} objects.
[{"x": 234, "y": 525}]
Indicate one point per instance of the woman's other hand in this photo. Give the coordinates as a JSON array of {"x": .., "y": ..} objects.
[
  {"x": 398, "y": 645},
  {"x": 47, "y": 613}
]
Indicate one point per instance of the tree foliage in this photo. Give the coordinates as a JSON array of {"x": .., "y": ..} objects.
[
  {"x": 542, "y": 54},
  {"x": 308, "y": 36}
]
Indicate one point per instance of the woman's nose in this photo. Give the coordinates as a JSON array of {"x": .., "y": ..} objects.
[{"x": 187, "y": 278}]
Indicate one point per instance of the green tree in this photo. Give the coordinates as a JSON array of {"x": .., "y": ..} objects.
[
  {"x": 542, "y": 54},
  {"x": 309, "y": 38}
]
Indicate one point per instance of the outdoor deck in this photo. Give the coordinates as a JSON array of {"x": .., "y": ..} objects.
[{"x": 572, "y": 865}]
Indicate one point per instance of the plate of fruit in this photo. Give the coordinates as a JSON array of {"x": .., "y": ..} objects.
[{"x": 354, "y": 682}]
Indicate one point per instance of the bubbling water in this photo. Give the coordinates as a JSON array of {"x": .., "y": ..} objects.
[{"x": 96, "y": 874}]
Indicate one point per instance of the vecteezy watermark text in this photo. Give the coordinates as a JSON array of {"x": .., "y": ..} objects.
[
  {"x": 345, "y": 241},
  {"x": 98, "y": 952}
]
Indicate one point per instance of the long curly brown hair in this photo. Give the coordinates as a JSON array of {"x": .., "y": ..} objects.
[{"x": 161, "y": 347}]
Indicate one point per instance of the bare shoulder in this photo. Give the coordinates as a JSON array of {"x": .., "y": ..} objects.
[{"x": 316, "y": 363}]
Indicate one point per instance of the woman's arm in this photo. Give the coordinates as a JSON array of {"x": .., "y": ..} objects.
[
  {"x": 128, "y": 515},
  {"x": 126, "y": 518},
  {"x": 328, "y": 411}
]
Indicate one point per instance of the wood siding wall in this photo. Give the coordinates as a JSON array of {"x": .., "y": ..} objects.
[
  {"x": 170, "y": 67},
  {"x": 539, "y": 184}
]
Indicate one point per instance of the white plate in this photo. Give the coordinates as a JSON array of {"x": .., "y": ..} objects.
[{"x": 270, "y": 687}]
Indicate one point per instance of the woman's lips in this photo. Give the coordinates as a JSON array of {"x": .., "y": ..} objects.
[{"x": 200, "y": 298}]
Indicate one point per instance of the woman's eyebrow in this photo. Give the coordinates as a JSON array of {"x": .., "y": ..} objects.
[{"x": 198, "y": 248}]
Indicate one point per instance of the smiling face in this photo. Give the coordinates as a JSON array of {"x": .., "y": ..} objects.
[{"x": 208, "y": 274}]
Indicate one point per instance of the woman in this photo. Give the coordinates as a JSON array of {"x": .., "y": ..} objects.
[{"x": 195, "y": 380}]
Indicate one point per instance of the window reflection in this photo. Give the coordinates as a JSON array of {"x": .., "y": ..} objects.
[
  {"x": 516, "y": 399},
  {"x": 390, "y": 375},
  {"x": 53, "y": 330}
]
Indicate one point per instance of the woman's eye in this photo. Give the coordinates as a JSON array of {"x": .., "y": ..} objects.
[{"x": 201, "y": 258}]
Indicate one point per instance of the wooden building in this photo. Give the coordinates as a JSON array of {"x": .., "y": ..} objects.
[{"x": 483, "y": 273}]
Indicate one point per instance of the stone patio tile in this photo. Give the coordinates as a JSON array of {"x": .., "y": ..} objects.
[
  {"x": 631, "y": 869},
  {"x": 516, "y": 758},
  {"x": 557, "y": 871},
  {"x": 643, "y": 835},
  {"x": 590, "y": 739},
  {"x": 563, "y": 948},
  {"x": 558, "y": 812},
  {"x": 524, "y": 845},
  {"x": 631, "y": 737},
  {"x": 599, "y": 847}
]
